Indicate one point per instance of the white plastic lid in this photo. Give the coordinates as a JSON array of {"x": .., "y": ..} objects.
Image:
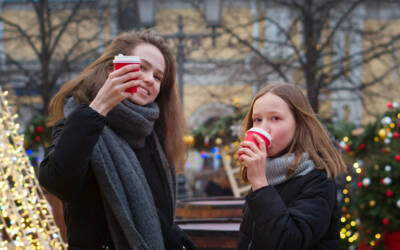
[
  {"x": 261, "y": 131},
  {"x": 126, "y": 59}
]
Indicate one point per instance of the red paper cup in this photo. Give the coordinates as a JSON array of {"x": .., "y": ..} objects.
[
  {"x": 121, "y": 61},
  {"x": 260, "y": 132}
]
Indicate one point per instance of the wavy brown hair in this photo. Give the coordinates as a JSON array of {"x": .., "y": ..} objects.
[
  {"x": 310, "y": 136},
  {"x": 85, "y": 86}
]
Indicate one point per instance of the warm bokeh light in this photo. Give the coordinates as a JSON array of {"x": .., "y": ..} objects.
[{"x": 25, "y": 218}]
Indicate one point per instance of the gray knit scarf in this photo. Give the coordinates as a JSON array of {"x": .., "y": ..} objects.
[
  {"x": 128, "y": 201},
  {"x": 277, "y": 168}
]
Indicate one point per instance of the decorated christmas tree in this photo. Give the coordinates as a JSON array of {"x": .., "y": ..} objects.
[
  {"x": 25, "y": 218},
  {"x": 371, "y": 210}
]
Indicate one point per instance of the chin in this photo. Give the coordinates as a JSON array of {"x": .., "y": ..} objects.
[
  {"x": 137, "y": 101},
  {"x": 278, "y": 154}
]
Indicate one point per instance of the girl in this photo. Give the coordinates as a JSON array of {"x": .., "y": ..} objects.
[
  {"x": 293, "y": 200},
  {"x": 113, "y": 154}
]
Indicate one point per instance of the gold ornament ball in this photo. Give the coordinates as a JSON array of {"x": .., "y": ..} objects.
[
  {"x": 382, "y": 133},
  {"x": 188, "y": 140},
  {"x": 218, "y": 141},
  {"x": 372, "y": 203}
]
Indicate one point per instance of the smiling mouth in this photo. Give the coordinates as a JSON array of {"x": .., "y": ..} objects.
[{"x": 142, "y": 91}]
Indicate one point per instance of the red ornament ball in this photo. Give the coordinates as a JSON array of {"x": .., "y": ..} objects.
[
  {"x": 396, "y": 135},
  {"x": 361, "y": 147},
  {"x": 37, "y": 138},
  {"x": 360, "y": 184},
  {"x": 40, "y": 129},
  {"x": 385, "y": 221},
  {"x": 389, "y": 193},
  {"x": 347, "y": 148},
  {"x": 389, "y": 105},
  {"x": 397, "y": 157},
  {"x": 381, "y": 181}
]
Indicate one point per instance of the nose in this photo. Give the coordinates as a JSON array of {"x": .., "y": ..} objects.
[
  {"x": 148, "y": 77},
  {"x": 266, "y": 126}
]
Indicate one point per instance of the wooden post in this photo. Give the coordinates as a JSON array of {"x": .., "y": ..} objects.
[{"x": 232, "y": 170}]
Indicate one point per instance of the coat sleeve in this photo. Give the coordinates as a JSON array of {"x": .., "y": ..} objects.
[
  {"x": 64, "y": 168},
  {"x": 301, "y": 224}
]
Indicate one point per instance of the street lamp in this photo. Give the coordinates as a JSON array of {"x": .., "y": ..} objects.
[
  {"x": 147, "y": 12},
  {"x": 212, "y": 9}
]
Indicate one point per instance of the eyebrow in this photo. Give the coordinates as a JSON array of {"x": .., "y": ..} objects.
[
  {"x": 148, "y": 63},
  {"x": 269, "y": 112}
]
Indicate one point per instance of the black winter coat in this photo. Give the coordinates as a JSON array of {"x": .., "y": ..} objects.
[
  {"x": 66, "y": 172},
  {"x": 301, "y": 213}
]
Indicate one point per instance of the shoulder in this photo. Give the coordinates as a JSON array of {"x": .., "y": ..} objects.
[
  {"x": 315, "y": 184},
  {"x": 315, "y": 176}
]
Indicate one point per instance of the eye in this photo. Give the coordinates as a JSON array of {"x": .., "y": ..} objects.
[
  {"x": 159, "y": 78},
  {"x": 275, "y": 118},
  {"x": 142, "y": 67},
  {"x": 256, "y": 119}
]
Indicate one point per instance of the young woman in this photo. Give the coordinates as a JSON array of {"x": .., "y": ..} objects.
[
  {"x": 114, "y": 153},
  {"x": 293, "y": 200}
]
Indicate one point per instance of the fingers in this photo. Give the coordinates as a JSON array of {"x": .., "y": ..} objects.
[
  {"x": 249, "y": 153},
  {"x": 124, "y": 70},
  {"x": 114, "y": 89},
  {"x": 127, "y": 85},
  {"x": 124, "y": 74},
  {"x": 261, "y": 143},
  {"x": 246, "y": 156},
  {"x": 247, "y": 148},
  {"x": 116, "y": 80},
  {"x": 112, "y": 93},
  {"x": 244, "y": 151},
  {"x": 249, "y": 144},
  {"x": 244, "y": 160}
]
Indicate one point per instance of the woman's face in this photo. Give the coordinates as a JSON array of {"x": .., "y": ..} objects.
[
  {"x": 272, "y": 114},
  {"x": 152, "y": 68}
]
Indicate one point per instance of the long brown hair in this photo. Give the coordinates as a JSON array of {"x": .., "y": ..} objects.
[
  {"x": 85, "y": 86},
  {"x": 309, "y": 137}
]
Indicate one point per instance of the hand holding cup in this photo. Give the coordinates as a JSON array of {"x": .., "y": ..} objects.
[
  {"x": 252, "y": 156},
  {"x": 121, "y": 61},
  {"x": 119, "y": 85}
]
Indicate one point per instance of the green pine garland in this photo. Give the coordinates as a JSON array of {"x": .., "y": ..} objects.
[
  {"x": 37, "y": 133},
  {"x": 206, "y": 136}
]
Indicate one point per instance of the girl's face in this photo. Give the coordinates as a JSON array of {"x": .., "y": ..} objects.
[
  {"x": 272, "y": 114},
  {"x": 152, "y": 69}
]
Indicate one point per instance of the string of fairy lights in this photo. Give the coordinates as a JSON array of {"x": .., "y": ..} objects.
[
  {"x": 349, "y": 230},
  {"x": 26, "y": 220},
  {"x": 379, "y": 182}
]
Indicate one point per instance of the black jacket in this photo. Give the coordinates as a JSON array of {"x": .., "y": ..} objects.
[
  {"x": 301, "y": 213},
  {"x": 67, "y": 173}
]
